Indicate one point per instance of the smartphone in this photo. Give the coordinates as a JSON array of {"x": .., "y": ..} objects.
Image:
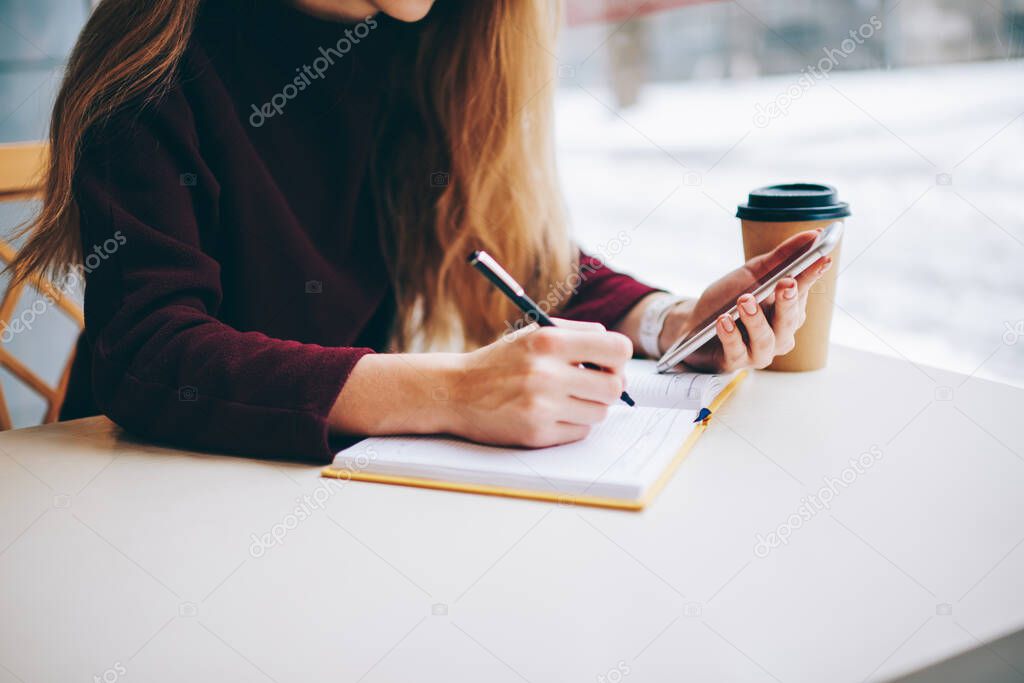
[{"x": 761, "y": 288}]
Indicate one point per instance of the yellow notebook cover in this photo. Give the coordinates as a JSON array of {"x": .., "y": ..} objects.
[{"x": 568, "y": 499}]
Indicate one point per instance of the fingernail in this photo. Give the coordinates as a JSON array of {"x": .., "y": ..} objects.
[
  {"x": 727, "y": 323},
  {"x": 748, "y": 304},
  {"x": 790, "y": 291},
  {"x": 825, "y": 266}
]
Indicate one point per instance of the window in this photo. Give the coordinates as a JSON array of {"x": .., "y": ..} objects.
[{"x": 668, "y": 117}]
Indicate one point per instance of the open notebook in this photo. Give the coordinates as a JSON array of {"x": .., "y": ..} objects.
[{"x": 623, "y": 463}]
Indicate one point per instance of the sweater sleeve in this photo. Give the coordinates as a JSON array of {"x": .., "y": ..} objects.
[
  {"x": 163, "y": 365},
  {"x": 603, "y": 295}
]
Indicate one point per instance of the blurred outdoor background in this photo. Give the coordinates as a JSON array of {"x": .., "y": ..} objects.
[{"x": 669, "y": 112}]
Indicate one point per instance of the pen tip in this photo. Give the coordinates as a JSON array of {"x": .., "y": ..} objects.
[{"x": 472, "y": 256}]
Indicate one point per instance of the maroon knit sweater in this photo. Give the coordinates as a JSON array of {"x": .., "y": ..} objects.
[{"x": 238, "y": 275}]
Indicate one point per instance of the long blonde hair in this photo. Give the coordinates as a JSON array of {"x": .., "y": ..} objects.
[{"x": 464, "y": 158}]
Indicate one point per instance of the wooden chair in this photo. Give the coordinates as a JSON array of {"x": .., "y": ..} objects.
[{"x": 21, "y": 173}]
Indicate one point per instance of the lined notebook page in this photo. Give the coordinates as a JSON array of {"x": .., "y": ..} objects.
[
  {"x": 686, "y": 390},
  {"x": 620, "y": 458}
]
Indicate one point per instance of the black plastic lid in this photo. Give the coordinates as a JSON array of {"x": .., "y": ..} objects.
[{"x": 793, "y": 202}]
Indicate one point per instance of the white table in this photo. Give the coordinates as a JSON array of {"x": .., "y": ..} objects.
[{"x": 126, "y": 561}]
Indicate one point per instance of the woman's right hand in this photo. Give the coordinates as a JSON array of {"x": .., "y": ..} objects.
[{"x": 528, "y": 389}]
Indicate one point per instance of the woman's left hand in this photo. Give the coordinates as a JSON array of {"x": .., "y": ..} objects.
[{"x": 764, "y": 331}]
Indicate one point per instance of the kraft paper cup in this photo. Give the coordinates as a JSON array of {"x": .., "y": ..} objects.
[{"x": 772, "y": 215}]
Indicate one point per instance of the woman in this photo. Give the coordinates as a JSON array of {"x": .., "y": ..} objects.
[{"x": 265, "y": 193}]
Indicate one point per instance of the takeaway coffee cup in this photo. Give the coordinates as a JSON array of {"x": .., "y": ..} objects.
[{"x": 771, "y": 215}]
